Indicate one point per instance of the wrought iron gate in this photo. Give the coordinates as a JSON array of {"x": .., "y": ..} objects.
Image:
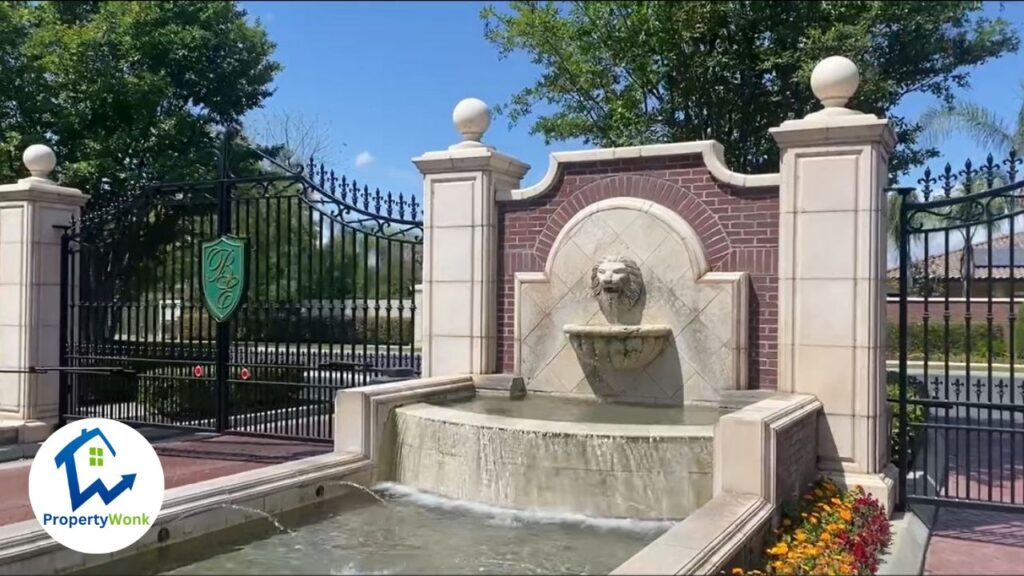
[
  {"x": 314, "y": 274},
  {"x": 960, "y": 404}
]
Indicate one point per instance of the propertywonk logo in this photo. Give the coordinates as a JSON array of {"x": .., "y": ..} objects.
[{"x": 96, "y": 486}]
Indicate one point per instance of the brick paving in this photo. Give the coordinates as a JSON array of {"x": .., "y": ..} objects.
[
  {"x": 186, "y": 460},
  {"x": 982, "y": 467}
]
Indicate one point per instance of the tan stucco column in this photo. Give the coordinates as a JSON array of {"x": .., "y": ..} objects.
[
  {"x": 30, "y": 295},
  {"x": 832, "y": 257},
  {"x": 460, "y": 246}
]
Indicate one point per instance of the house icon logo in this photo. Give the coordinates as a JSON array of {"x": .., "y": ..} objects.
[{"x": 96, "y": 486}]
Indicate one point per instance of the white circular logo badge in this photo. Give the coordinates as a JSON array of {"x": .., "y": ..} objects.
[{"x": 96, "y": 486}]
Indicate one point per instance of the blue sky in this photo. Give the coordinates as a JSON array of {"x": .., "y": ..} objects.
[{"x": 384, "y": 76}]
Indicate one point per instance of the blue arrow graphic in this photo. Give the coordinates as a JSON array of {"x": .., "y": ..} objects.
[
  {"x": 98, "y": 487},
  {"x": 78, "y": 496}
]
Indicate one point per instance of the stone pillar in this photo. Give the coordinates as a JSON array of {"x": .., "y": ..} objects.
[
  {"x": 460, "y": 269},
  {"x": 30, "y": 213},
  {"x": 832, "y": 260}
]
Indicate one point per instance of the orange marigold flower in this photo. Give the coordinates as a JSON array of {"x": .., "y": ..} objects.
[
  {"x": 738, "y": 571},
  {"x": 800, "y": 536},
  {"x": 825, "y": 537},
  {"x": 845, "y": 515},
  {"x": 836, "y": 501}
]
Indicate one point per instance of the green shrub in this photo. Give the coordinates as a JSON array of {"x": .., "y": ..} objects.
[
  {"x": 916, "y": 414},
  {"x": 294, "y": 325},
  {"x": 183, "y": 399},
  {"x": 981, "y": 342}
]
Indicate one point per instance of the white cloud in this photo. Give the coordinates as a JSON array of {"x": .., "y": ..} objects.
[{"x": 364, "y": 159}]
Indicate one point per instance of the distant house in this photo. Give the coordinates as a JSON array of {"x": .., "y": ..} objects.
[{"x": 990, "y": 274}]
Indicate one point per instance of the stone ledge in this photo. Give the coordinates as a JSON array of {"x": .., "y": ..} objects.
[
  {"x": 192, "y": 511},
  {"x": 706, "y": 541}
]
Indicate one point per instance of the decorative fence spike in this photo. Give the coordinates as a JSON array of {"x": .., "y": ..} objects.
[{"x": 948, "y": 179}]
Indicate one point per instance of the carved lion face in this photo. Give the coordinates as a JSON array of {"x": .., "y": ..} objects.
[{"x": 617, "y": 277}]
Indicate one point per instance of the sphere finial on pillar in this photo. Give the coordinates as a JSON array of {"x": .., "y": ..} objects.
[
  {"x": 834, "y": 81},
  {"x": 472, "y": 117},
  {"x": 40, "y": 160}
]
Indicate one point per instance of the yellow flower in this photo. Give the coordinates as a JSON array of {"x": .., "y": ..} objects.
[
  {"x": 800, "y": 536},
  {"x": 833, "y": 527},
  {"x": 814, "y": 519},
  {"x": 825, "y": 537},
  {"x": 780, "y": 549},
  {"x": 845, "y": 515},
  {"x": 836, "y": 501}
]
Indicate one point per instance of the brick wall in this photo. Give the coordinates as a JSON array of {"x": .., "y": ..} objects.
[
  {"x": 796, "y": 458},
  {"x": 738, "y": 227}
]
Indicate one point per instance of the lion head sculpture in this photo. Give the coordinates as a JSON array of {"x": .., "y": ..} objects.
[{"x": 617, "y": 277}]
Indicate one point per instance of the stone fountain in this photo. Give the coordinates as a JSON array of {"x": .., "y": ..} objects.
[{"x": 618, "y": 286}]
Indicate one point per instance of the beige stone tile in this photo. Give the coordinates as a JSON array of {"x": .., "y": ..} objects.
[
  {"x": 825, "y": 313},
  {"x": 12, "y": 224},
  {"x": 565, "y": 368},
  {"x": 10, "y": 387},
  {"x": 452, "y": 203},
  {"x": 826, "y": 245},
  {"x": 593, "y": 236},
  {"x": 545, "y": 341},
  {"x": 644, "y": 235},
  {"x": 666, "y": 370},
  {"x": 452, "y": 313},
  {"x": 826, "y": 183},
  {"x": 450, "y": 355},
  {"x": 453, "y": 254},
  {"x": 836, "y": 439},
  {"x": 618, "y": 219},
  {"x": 570, "y": 264},
  {"x": 48, "y": 266},
  {"x": 828, "y": 373},
  {"x": 11, "y": 264},
  {"x": 670, "y": 261},
  {"x": 11, "y": 305},
  {"x": 530, "y": 313}
]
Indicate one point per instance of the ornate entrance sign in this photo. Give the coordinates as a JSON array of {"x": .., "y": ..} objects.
[{"x": 224, "y": 275}]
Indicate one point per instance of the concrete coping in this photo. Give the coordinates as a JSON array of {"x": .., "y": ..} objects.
[
  {"x": 467, "y": 418},
  {"x": 705, "y": 541}
]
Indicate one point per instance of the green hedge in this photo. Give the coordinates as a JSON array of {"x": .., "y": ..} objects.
[
  {"x": 183, "y": 400},
  {"x": 915, "y": 413},
  {"x": 981, "y": 341},
  {"x": 297, "y": 326}
]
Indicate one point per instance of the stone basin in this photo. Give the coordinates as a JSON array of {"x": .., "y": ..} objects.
[{"x": 620, "y": 346}]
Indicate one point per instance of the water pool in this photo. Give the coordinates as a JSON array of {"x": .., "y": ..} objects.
[
  {"x": 413, "y": 533},
  {"x": 572, "y": 409}
]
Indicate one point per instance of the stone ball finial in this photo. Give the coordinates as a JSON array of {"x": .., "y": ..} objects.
[
  {"x": 40, "y": 160},
  {"x": 834, "y": 81},
  {"x": 472, "y": 117}
]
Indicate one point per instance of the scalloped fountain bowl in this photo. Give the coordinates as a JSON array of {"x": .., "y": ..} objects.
[{"x": 620, "y": 346}]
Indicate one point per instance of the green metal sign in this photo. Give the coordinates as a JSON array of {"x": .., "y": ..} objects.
[{"x": 225, "y": 271}]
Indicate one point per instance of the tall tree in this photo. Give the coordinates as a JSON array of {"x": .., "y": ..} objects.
[
  {"x": 985, "y": 126},
  {"x": 127, "y": 91},
  {"x": 628, "y": 73}
]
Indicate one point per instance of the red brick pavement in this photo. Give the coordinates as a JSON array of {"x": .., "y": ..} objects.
[
  {"x": 186, "y": 460},
  {"x": 982, "y": 467}
]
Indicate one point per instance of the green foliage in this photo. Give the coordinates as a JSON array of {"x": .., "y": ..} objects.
[
  {"x": 184, "y": 400},
  {"x": 296, "y": 326},
  {"x": 916, "y": 414},
  {"x": 129, "y": 91},
  {"x": 1018, "y": 332},
  {"x": 980, "y": 341},
  {"x": 628, "y": 73}
]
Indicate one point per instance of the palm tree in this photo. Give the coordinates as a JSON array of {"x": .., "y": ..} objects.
[
  {"x": 990, "y": 131},
  {"x": 983, "y": 125}
]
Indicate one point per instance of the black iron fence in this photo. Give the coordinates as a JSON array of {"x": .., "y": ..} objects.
[
  {"x": 960, "y": 395},
  {"x": 319, "y": 298}
]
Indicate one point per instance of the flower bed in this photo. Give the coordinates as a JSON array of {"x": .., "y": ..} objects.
[{"x": 830, "y": 532}]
